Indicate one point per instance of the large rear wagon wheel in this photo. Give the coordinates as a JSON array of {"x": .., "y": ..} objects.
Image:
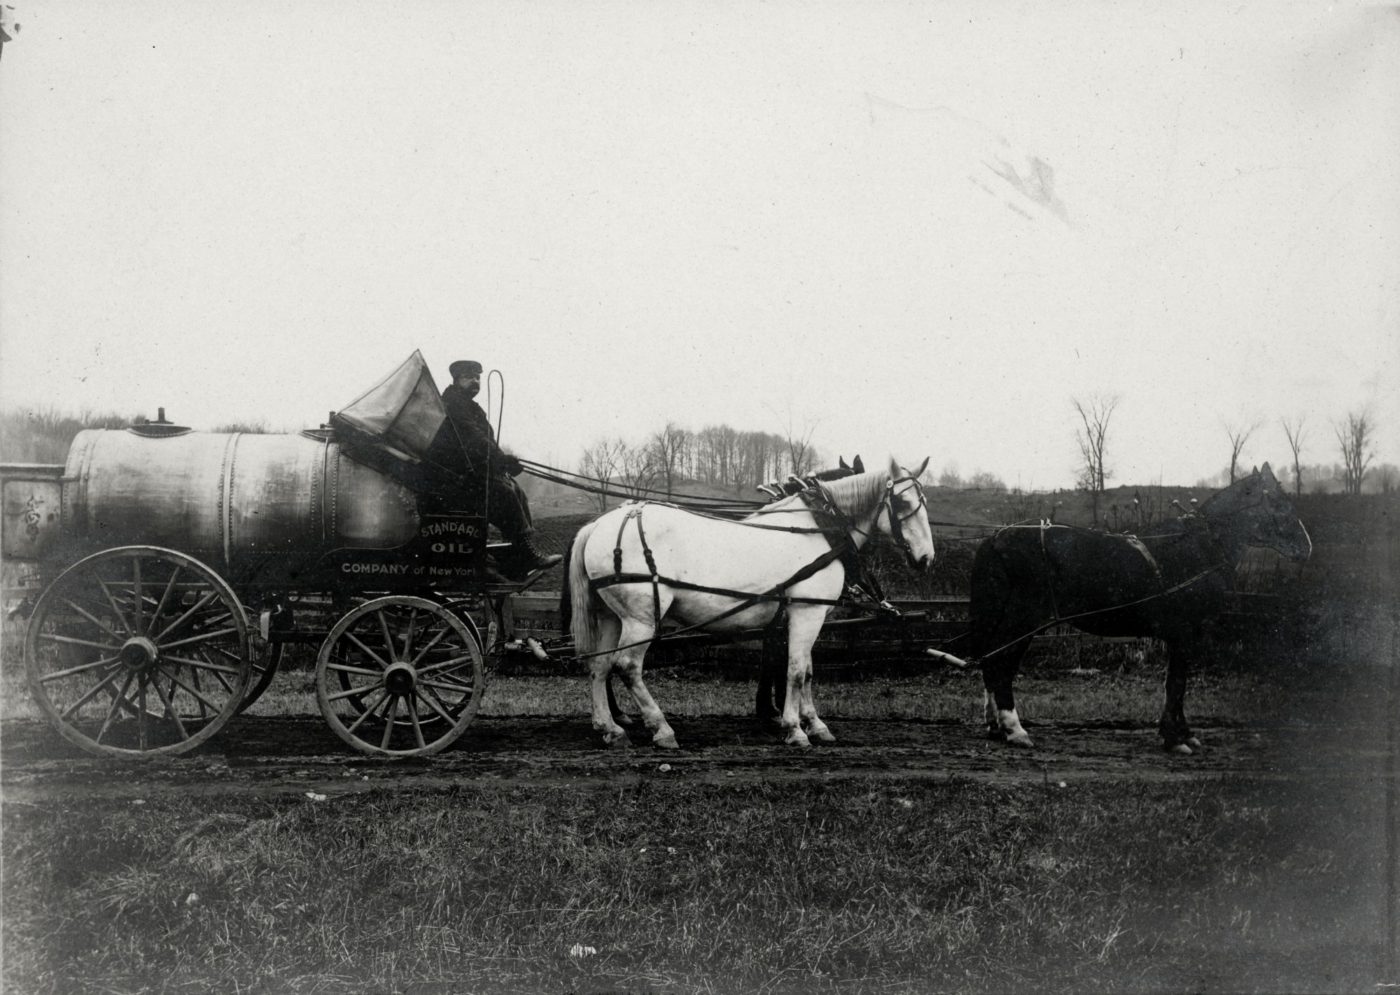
[
  {"x": 138, "y": 651},
  {"x": 400, "y": 676}
]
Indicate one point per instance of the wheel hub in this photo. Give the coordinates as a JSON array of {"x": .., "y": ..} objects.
[
  {"x": 400, "y": 678},
  {"x": 139, "y": 653}
]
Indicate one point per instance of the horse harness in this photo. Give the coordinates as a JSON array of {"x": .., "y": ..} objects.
[{"x": 831, "y": 522}]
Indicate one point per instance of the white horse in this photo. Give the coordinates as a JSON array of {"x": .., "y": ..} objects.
[{"x": 643, "y": 562}]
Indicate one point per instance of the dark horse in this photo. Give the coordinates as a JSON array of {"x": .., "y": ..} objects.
[{"x": 1026, "y": 578}]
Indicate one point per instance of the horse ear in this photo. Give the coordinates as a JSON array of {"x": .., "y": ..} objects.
[
  {"x": 841, "y": 463},
  {"x": 922, "y": 467},
  {"x": 857, "y": 465}
]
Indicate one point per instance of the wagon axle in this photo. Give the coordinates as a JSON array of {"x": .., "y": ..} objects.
[{"x": 139, "y": 654}]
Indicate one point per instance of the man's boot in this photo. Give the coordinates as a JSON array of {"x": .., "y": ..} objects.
[{"x": 526, "y": 557}]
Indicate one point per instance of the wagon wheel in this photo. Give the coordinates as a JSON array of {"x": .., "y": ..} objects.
[
  {"x": 138, "y": 651},
  {"x": 265, "y": 661},
  {"x": 400, "y": 676}
]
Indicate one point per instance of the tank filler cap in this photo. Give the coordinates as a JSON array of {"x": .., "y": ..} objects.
[{"x": 160, "y": 428}]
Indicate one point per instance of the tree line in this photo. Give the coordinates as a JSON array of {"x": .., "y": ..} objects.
[
  {"x": 1354, "y": 434},
  {"x": 718, "y": 455}
]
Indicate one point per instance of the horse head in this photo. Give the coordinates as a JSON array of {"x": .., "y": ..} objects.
[
  {"x": 1257, "y": 508},
  {"x": 905, "y": 517}
]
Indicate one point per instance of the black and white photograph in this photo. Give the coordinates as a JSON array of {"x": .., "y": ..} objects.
[{"x": 700, "y": 497}]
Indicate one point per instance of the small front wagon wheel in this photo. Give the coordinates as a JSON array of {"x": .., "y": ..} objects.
[
  {"x": 138, "y": 651},
  {"x": 400, "y": 676}
]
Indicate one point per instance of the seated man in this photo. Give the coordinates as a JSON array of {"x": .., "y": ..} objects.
[{"x": 507, "y": 509}]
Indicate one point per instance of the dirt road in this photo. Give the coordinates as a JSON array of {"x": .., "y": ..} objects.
[{"x": 271, "y": 756}]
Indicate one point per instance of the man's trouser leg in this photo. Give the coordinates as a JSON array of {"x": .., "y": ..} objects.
[
  {"x": 510, "y": 512},
  {"x": 507, "y": 512}
]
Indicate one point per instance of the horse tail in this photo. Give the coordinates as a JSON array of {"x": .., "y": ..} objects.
[
  {"x": 566, "y": 601},
  {"x": 577, "y": 601}
]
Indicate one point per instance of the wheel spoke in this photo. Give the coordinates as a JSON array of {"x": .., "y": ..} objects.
[
  {"x": 431, "y": 643},
  {"x": 116, "y": 609},
  {"x": 197, "y": 606},
  {"x": 74, "y": 641},
  {"x": 368, "y": 652},
  {"x": 165, "y": 595},
  {"x": 441, "y": 686},
  {"x": 216, "y": 671},
  {"x": 369, "y": 710},
  {"x": 389, "y": 722},
  {"x": 384, "y": 630},
  {"x": 410, "y": 631},
  {"x": 417, "y": 728},
  {"x": 170, "y": 709},
  {"x": 345, "y": 668},
  {"x": 359, "y": 692},
  {"x": 442, "y": 713},
  {"x": 103, "y": 685},
  {"x": 216, "y": 668},
  {"x": 118, "y": 700},
  {"x": 441, "y": 665},
  {"x": 91, "y": 618},
  {"x": 141, "y": 712},
  {"x": 58, "y": 675},
  {"x": 136, "y": 606},
  {"x": 203, "y": 637},
  {"x": 194, "y": 692}
]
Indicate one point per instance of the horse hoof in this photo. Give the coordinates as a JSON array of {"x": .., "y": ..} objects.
[
  {"x": 626, "y": 721},
  {"x": 617, "y": 740},
  {"x": 1019, "y": 739},
  {"x": 798, "y": 739},
  {"x": 1193, "y": 742},
  {"x": 823, "y": 735},
  {"x": 1180, "y": 749},
  {"x": 666, "y": 741}
]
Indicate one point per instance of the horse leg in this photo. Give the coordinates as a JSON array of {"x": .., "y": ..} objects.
[
  {"x": 1176, "y": 733},
  {"x": 999, "y": 700},
  {"x": 601, "y": 666},
  {"x": 629, "y": 664},
  {"x": 621, "y": 717},
  {"x": 803, "y": 628},
  {"x": 771, "y": 683}
]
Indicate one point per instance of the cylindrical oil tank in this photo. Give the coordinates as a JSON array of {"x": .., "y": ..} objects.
[{"x": 269, "y": 508}]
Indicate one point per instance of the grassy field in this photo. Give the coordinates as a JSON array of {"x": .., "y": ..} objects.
[{"x": 649, "y": 884}]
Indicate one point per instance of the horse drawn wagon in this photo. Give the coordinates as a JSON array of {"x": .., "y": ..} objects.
[{"x": 166, "y": 570}]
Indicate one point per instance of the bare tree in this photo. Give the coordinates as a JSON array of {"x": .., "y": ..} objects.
[
  {"x": 638, "y": 473},
  {"x": 800, "y": 451},
  {"x": 1238, "y": 437},
  {"x": 1356, "y": 438},
  {"x": 602, "y": 461},
  {"x": 668, "y": 447},
  {"x": 1294, "y": 430},
  {"x": 1092, "y": 436}
]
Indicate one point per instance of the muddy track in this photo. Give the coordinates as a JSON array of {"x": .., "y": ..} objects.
[{"x": 272, "y": 756}]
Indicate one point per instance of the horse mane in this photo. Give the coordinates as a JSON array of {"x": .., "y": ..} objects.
[{"x": 858, "y": 494}]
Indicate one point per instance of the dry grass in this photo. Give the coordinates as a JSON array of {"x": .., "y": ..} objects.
[{"x": 645, "y": 883}]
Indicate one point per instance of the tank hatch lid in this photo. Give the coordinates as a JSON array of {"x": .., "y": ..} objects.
[{"x": 160, "y": 428}]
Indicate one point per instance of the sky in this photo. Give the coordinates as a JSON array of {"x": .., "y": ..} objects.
[{"x": 917, "y": 229}]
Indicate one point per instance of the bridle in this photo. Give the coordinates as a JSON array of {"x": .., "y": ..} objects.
[{"x": 896, "y": 520}]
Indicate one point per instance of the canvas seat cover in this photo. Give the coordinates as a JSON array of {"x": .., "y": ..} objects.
[{"x": 402, "y": 414}]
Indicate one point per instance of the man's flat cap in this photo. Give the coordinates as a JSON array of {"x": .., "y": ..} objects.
[{"x": 464, "y": 368}]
